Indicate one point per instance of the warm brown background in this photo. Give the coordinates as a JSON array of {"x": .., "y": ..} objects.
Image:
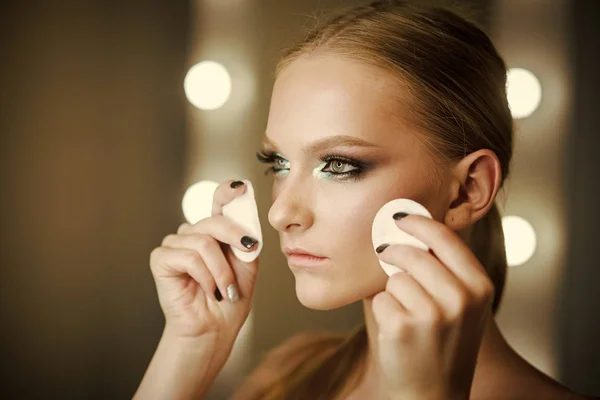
[{"x": 95, "y": 157}]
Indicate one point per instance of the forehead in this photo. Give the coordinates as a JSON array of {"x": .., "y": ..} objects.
[{"x": 322, "y": 95}]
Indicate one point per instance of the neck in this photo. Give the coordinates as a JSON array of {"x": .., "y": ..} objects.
[{"x": 493, "y": 347}]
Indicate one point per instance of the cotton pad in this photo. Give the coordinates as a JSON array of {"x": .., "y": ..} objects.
[
  {"x": 243, "y": 211},
  {"x": 385, "y": 230}
]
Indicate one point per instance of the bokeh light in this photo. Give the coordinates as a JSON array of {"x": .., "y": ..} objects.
[
  {"x": 524, "y": 92},
  {"x": 197, "y": 201},
  {"x": 519, "y": 239},
  {"x": 207, "y": 85}
]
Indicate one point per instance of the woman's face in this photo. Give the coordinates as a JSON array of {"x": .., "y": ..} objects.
[{"x": 325, "y": 107}]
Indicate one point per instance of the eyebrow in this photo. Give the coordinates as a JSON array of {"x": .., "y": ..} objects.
[{"x": 326, "y": 143}]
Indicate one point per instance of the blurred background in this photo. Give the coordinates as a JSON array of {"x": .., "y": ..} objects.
[{"x": 101, "y": 141}]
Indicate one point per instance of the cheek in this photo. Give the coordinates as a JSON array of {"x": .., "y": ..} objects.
[
  {"x": 348, "y": 219},
  {"x": 431, "y": 194},
  {"x": 416, "y": 186}
]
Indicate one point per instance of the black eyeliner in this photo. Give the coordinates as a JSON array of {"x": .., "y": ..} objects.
[{"x": 270, "y": 157}]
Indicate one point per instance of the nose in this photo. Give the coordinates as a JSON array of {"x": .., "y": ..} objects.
[{"x": 290, "y": 211}]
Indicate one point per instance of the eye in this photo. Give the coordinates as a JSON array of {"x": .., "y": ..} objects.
[
  {"x": 280, "y": 163},
  {"x": 337, "y": 167},
  {"x": 269, "y": 157}
]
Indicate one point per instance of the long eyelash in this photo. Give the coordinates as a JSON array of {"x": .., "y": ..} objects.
[
  {"x": 265, "y": 157},
  {"x": 269, "y": 157},
  {"x": 360, "y": 166}
]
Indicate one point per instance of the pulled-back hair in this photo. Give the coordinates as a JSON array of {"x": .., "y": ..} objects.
[{"x": 456, "y": 85}]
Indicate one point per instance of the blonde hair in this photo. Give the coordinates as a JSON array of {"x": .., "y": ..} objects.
[{"x": 456, "y": 82}]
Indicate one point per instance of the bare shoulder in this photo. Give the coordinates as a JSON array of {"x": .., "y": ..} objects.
[
  {"x": 283, "y": 360},
  {"x": 515, "y": 378},
  {"x": 543, "y": 387},
  {"x": 528, "y": 388},
  {"x": 555, "y": 391}
]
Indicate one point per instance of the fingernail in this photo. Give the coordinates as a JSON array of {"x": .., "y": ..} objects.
[
  {"x": 248, "y": 242},
  {"x": 232, "y": 293},
  {"x": 381, "y": 248},
  {"x": 218, "y": 295},
  {"x": 399, "y": 215},
  {"x": 236, "y": 184}
]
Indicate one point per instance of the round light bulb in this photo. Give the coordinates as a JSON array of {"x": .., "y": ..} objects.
[
  {"x": 519, "y": 240},
  {"x": 197, "y": 201},
  {"x": 207, "y": 85},
  {"x": 524, "y": 92}
]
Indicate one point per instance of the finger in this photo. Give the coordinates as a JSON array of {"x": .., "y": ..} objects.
[
  {"x": 224, "y": 230},
  {"x": 447, "y": 246},
  {"x": 183, "y": 226},
  {"x": 416, "y": 300},
  {"x": 173, "y": 262},
  {"x": 439, "y": 282},
  {"x": 225, "y": 193},
  {"x": 390, "y": 315},
  {"x": 212, "y": 255}
]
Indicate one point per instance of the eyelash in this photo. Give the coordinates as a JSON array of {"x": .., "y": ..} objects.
[{"x": 268, "y": 157}]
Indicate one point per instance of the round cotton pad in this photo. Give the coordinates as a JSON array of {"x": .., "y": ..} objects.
[
  {"x": 385, "y": 230},
  {"x": 243, "y": 211}
]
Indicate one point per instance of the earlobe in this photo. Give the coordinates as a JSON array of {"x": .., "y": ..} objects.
[{"x": 477, "y": 179}]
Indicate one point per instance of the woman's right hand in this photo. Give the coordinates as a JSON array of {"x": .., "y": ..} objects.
[{"x": 190, "y": 265}]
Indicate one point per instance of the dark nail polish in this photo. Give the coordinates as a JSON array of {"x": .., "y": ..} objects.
[
  {"x": 381, "y": 248},
  {"x": 218, "y": 295},
  {"x": 248, "y": 242},
  {"x": 399, "y": 215},
  {"x": 236, "y": 184}
]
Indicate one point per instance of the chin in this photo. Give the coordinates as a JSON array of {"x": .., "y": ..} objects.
[{"x": 318, "y": 294}]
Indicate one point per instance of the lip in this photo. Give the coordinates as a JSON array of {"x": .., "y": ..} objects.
[
  {"x": 298, "y": 251},
  {"x": 302, "y": 258}
]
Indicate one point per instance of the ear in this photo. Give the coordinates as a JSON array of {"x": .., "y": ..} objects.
[{"x": 475, "y": 181}]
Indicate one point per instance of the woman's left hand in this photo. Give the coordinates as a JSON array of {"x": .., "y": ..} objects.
[{"x": 431, "y": 319}]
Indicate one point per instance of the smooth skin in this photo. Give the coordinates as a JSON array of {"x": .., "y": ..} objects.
[
  {"x": 200, "y": 330},
  {"x": 430, "y": 330},
  {"x": 430, "y": 333},
  {"x": 431, "y": 318}
]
